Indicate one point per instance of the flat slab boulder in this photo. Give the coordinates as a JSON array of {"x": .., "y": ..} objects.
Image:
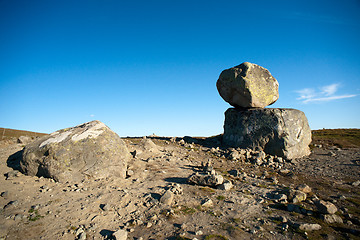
[
  {"x": 248, "y": 86},
  {"x": 278, "y": 131},
  {"x": 89, "y": 150}
]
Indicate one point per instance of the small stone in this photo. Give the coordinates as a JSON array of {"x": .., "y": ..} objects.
[
  {"x": 342, "y": 197},
  {"x": 234, "y": 155},
  {"x": 309, "y": 226},
  {"x": 11, "y": 204},
  {"x": 35, "y": 207},
  {"x": 326, "y": 207},
  {"x": 12, "y": 174},
  {"x": 284, "y": 171},
  {"x": 82, "y": 236},
  {"x": 154, "y": 217},
  {"x": 355, "y": 184},
  {"x": 129, "y": 173},
  {"x": 136, "y": 222},
  {"x": 120, "y": 235},
  {"x": 5, "y": 194},
  {"x": 197, "y": 233},
  {"x": 283, "y": 219},
  {"x": 19, "y": 217},
  {"x": 274, "y": 180},
  {"x": 297, "y": 196},
  {"x": 24, "y": 140},
  {"x": 332, "y": 154},
  {"x": 167, "y": 198},
  {"x": 258, "y": 161},
  {"x": 149, "y": 225},
  {"x": 227, "y": 185},
  {"x": 106, "y": 207},
  {"x": 331, "y": 218},
  {"x": 79, "y": 231},
  {"x": 304, "y": 188},
  {"x": 280, "y": 197},
  {"x": 176, "y": 188},
  {"x": 207, "y": 203},
  {"x": 206, "y": 179}
]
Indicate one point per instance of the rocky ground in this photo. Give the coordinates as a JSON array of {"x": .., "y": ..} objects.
[{"x": 263, "y": 197}]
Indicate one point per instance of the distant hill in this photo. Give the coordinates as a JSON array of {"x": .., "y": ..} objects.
[
  {"x": 7, "y": 133},
  {"x": 344, "y": 138}
]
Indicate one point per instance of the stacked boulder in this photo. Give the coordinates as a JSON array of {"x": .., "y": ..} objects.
[{"x": 277, "y": 131}]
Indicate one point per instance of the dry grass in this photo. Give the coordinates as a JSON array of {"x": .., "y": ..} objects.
[
  {"x": 7, "y": 133},
  {"x": 343, "y": 138}
]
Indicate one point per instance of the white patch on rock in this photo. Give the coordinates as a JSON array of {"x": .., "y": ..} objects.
[
  {"x": 59, "y": 137},
  {"x": 92, "y": 132}
]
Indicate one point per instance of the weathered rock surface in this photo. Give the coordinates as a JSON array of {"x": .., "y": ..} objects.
[
  {"x": 24, "y": 139},
  {"x": 247, "y": 86},
  {"x": 120, "y": 235},
  {"x": 326, "y": 207},
  {"x": 331, "y": 218},
  {"x": 167, "y": 198},
  {"x": 146, "y": 149},
  {"x": 297, "y": 196},
  {"x": 88, "y": 150},
  {"x": 206, "y": 179},
  {"x": 307, "y": 226},
  {"x": 226, "y": 185},
  {"x": 280, "y": 132}
]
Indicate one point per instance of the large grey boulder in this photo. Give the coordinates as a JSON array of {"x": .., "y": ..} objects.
[
  {"x": 247, "y": 86},
  {"x": 89, "y": 150},
  {"x": 280, "y": 132}
]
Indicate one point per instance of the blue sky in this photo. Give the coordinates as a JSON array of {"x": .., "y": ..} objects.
[{"x": 145, "y": 67}]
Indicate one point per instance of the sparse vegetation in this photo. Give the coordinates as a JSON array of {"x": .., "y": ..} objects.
[
  {"x": 343, "y": 138},
  {"x": 7, "y": 133},
  {"x": 34, "y": 215},
  {"x": 220, "y": 198},
  {"x": 215, "y": 237},
  {"x": 187, "y": 210},
  {"x": 207, "y": 189}
]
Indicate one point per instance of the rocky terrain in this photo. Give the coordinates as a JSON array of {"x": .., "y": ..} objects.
[
  {"x": 189, "y": 188},
  {"x": 258, "y": 180}
]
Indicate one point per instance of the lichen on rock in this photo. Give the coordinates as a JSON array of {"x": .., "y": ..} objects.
[
  {"x": 247, "y": 86},
  {"x": 89, "y": 150}
]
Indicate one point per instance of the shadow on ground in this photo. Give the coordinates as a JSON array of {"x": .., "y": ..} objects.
[{"x": 14, "y": 160}]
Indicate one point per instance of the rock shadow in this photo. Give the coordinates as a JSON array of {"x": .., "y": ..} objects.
[
  {"x": 209, "y": 142},
  {"x": 14, "y": 160},
  {"x": 106, "y": 234},
  {"x": 178, "y": 180},
  {"x": 156, "y": 196}
]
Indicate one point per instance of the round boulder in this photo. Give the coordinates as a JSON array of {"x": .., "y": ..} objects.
[
  {"x": 248, "y": 86},
  {"x": 89, "y": 150}
]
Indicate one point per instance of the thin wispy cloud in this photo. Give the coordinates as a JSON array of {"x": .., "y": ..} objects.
[
  {"x": 324, "y": 94},
  {"x": 330, "y": 89}
]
